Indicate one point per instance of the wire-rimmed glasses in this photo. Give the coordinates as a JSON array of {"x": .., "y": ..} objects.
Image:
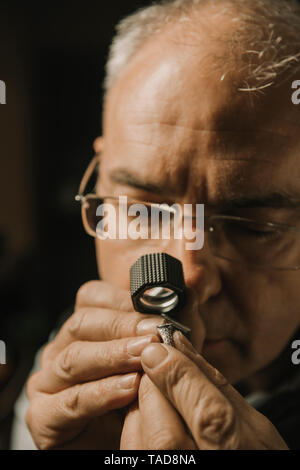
[{"x": 264, "y": 244}]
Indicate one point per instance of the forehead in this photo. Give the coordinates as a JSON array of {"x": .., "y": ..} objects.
[{"x": 176, "y": 112}]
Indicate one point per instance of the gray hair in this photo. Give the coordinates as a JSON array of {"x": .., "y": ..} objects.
[{"x": 267, "y": 30}]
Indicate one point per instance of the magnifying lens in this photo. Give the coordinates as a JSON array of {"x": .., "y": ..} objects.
[
  {"x": 157, "y": 286},
  {"x": 160, "y": 299}
]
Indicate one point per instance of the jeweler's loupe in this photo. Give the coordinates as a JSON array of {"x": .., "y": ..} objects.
[{"x": 157, "y": 284}]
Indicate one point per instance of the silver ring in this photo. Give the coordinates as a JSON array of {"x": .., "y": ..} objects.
[{"x": 166, "y": 331}]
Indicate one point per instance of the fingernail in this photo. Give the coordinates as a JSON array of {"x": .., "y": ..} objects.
[
  {"x": 182, "y": 343},
  {"x": 154, "y": 354},
  {"x": 136, "y": 346},
  {"x": 128, "y": 381},
  {"x": 148, "y": 326}
]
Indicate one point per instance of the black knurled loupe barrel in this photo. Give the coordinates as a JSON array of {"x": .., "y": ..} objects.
[{"x": 157, "y": 286}]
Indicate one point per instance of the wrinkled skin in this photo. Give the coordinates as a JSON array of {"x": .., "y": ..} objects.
[{"x": 170, "y": 121}]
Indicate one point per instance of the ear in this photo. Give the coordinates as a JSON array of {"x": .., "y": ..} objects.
[{"x": 98, "y": 144}]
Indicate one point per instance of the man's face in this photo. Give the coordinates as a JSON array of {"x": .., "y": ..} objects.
[{"x": 174, "y": 124}]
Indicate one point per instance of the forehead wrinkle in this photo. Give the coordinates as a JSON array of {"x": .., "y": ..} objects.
[
  {"x": 181, "y": 98},
  {"x": 171, "y": 74},
  {"x": 220, "y": 129},
  {"x": 216, "y": 148},
  {"x": 222, "y": 141}
]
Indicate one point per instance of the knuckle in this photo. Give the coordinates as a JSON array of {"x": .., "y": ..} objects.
[
  {"x": 122, "y": 326},
  {"x": 66, "y": 366},
  {"x": 84, "y": 291},
  {"x": 115, "y": 326},
  {"x": 31, "y": 384},
  {"x": 164, "y": 439},
  {"x": 46, "y": 353},
  {"x": 177, "y": 373},
  {"x": 216, "y": 424},
  {"x": 72, "y": 404},
  {"x": 75, "y": 323}
]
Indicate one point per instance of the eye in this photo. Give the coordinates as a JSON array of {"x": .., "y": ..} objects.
[
  {"x": 254, "y": 230},
  {"x": 263, "y": 234}
]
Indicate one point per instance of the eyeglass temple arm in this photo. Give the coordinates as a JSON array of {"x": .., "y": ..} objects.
[{"x": 87, "y": 174}]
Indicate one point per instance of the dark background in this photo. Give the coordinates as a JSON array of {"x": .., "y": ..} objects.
[{"x": 52, "y": 60}]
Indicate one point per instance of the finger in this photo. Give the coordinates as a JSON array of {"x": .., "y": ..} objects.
[
  {"x": 58, "y": 418},
  {"x": 131, "y": 438},
  {"x": 249, "y": 418},
  {"x": 162, "y": 428},
  {"x": 95, "y": 324},
  {"x": 101, "y": 433},
  {"x": 185, "y": 346},
  {"x": 105, "y": 295},
  {"x": 86, "y": 361},
  {"x": 206, "y": 411},
  {"x": 213, "y": 374}
]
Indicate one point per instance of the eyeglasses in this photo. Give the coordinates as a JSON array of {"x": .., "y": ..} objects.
[{"x": 262, "y": 244}]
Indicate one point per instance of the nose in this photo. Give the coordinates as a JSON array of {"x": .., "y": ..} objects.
[{"x": 200, "y": 269}]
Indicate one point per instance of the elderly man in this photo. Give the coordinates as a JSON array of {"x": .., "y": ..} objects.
[{"x": 198, "y": 109}]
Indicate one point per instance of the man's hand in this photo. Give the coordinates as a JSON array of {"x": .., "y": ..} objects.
[
  {"x": 89, "y": 370},
  {"x": 185, "y": 403}
]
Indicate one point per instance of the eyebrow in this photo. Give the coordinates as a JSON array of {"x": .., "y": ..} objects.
[
  {"x": 276, "y": 199},
  {"x": 124, "y": 177},
  {"x": 273, "y": 200}
]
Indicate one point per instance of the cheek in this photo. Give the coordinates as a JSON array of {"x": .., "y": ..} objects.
[
  {"x": 270, "y": 306},
  {"x": 113, "y": 265},
  {"x": 115, "y": 258}
]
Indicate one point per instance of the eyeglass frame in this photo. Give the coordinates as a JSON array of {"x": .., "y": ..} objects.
[{"x": 82, "y": 198}]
